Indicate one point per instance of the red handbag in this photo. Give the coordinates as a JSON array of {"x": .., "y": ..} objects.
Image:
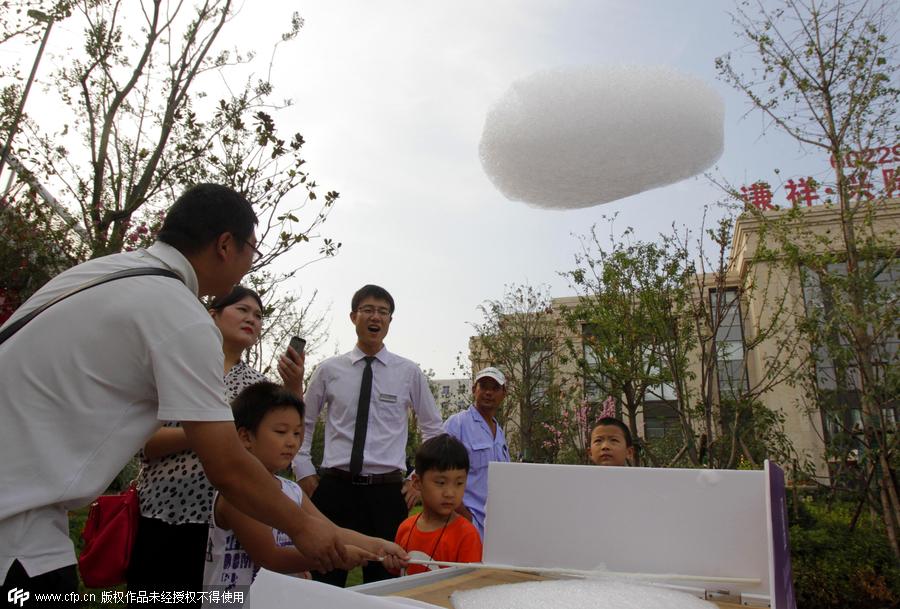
[{"x": 109, "y": 533}]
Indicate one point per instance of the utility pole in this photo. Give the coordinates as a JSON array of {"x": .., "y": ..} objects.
[{"x": 44, "y": 18}]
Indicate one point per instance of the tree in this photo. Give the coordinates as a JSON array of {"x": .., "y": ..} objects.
[
  {"x": 661, "y": 324},
  {"x": 285, "y": 314},
  {"x": 34, "y": 248},
  {"x": 705, "y": 337},
  {"x": 617, "y": 348},
  {"x": 16, "y": 22},
  {"x": 138, "y": 128},
  {"x": 824, "y": 73},
  {"x": 570, "y": 433},
  {"x": 518, "y": 334}
]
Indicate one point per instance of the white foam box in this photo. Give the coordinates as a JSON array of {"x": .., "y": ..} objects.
[{"x": 699, "y": 523}]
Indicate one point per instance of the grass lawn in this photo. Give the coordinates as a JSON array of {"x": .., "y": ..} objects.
[{"x": 354, "y": 578}]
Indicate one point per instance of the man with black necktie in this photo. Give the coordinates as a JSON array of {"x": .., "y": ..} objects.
[{"x": 367, "y": 394}]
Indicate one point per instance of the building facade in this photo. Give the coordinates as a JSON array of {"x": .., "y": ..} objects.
[
  {"x": 452, "y": 395},
  {"x": 758, "y": 346}
]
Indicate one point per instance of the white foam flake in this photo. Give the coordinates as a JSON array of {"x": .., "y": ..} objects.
[
  {"x": 576, "y": 594},
  {"x": 581, "y": 136}
]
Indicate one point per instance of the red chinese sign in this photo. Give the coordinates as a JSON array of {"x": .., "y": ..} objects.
[{"x": 861, "y": 183}]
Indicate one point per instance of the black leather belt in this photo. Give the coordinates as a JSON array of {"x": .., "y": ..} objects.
[{"x": 394, "y": 477}]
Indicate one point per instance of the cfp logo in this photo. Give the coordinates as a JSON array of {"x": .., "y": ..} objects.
[{"x": 18, "y": 597}]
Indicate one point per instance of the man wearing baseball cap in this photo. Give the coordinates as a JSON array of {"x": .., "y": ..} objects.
[{"x": 478, "y": 430}]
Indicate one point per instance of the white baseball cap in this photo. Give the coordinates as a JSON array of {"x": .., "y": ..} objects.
[{"x": 493, "y": 373}]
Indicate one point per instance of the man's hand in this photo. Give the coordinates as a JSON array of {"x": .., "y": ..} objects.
[
  {"x": 358, "y": 557},
  {"x": 411, "y": 495},
  {"x": 322, "y": 545},
  {"x": 393, "y": 556},
  {"x": 309, "y": 484}
]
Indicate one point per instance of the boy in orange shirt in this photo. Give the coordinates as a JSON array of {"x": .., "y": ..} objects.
[{"x": 439, "y": 532}]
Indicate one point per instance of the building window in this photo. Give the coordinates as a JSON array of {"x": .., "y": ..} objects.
[
  {"x": 540, "y": 362},
  {"x": 729, "y": 344},
  {"x": 591, "y": 388},
  {"x": 660, "y": 420},
  {"x": 837, "y": 375},
  {"x": 890, "y": 418}
]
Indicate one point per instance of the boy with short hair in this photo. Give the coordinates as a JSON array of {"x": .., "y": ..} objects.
[
  {"x": 439, "y": 532},
  {"x": 269, "y": 421},
  {"x": 610, "y": 443}
]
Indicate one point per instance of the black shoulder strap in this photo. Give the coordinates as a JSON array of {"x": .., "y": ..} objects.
[{"x": 19, "y": 323}]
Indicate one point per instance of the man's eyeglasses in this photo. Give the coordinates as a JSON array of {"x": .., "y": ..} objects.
[
  {"x": 257, "y": 255},
  {"x": 369, "y": 310}
]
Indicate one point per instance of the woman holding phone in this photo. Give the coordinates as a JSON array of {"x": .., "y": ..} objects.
[{"x": 175, "y": 495}]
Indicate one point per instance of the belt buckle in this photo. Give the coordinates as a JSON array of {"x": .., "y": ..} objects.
[{"x": 361, "y": 479}]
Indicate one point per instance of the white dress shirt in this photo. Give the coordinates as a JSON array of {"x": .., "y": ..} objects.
[
  {"x": 85, "y": 385},
  {"x": 397, "y": 386}
]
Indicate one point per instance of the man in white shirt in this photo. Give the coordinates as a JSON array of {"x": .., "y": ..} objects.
[
  {"x": 367, "y": 394},
  {"x": 85, "y": 383}
]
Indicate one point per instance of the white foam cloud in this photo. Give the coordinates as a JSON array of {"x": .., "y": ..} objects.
[{"x": 577, "y": 137}]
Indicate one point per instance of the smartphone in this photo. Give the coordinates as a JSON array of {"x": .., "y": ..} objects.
[{"x": 298, "y": 344}]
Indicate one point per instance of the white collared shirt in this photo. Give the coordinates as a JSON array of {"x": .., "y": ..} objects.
[
  {"x": 397, "y": 386},
  {"x": 86, "y": 383}
]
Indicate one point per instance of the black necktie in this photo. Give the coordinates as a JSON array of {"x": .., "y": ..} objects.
[{"x": 362, "y": 418}]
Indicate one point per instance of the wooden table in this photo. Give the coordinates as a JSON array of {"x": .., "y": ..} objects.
[{"x": 438, "y": 593}]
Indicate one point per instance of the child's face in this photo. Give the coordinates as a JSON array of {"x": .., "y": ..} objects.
[
  {"x": 442, "y": 492},
  {"x": 277, "y": 439},
  {"x": 608, "y": 446}
]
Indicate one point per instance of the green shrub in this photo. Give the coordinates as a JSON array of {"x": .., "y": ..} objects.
[{"x": 835, "y": 567}]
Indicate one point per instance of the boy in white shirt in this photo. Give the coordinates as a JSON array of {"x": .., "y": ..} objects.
[{"x": 269, "y": 420}]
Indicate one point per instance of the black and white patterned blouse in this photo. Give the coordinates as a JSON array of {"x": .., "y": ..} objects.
[{"x": 174, "y": 488}]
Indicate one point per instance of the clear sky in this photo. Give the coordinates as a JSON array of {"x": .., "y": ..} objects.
[{"x": 391, "y": 97}]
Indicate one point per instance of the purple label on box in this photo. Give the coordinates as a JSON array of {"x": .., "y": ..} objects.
[{"x": 782, "y": 584}]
